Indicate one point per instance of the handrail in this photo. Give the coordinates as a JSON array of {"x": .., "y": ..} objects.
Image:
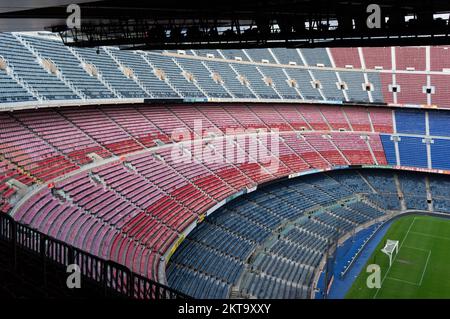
[{"x": 110, "y": 275}]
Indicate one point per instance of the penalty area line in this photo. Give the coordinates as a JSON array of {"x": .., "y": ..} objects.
[
  {"x": 415, "y": 248},
  {"x": 429, "y": 235},
  {"x": 425, "y": 268},
  {"x": 403, "y": 281}
]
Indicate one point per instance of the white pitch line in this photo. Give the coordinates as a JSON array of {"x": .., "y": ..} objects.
[
  {"x": 425, "y": 268},
  {"x": 395, "y": 257},
  {"x": 404, "y": 281},
  {"x": 428, "y": 235},
  {"x": 415, "y": 248}
]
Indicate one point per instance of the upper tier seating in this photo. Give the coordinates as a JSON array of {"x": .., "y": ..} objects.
[
  {"x": 259, "y": 55},
  {"x": 174, "y": 75},
  {"x": 205, "y": 52},
  {"x": 111, "y": 73},
  {"x": 10, "y": 91},
  {"x": 28, "y": 69},
  {"x": 377, "y": 87},
  {"x": 344, "y": 57},
  {"x": 286, "y": 56},
  {"x": 442, "y": 91},
  {"x": 440, "y": 58},
  {"x": 203, "y": 77},
  {"x": 354, "y": 82},
  {"x": 410, "y": 57},
  {"x": 144, "y": 73},
  {"x": 411, "y": 89},
  {"x": 230, "y": 79},
  {"x": 232, "y": 54},
  {"x": 69, "y": 67},
  {"x": 304, "y": 84},
  {"x": 359, "y": 75},
  {"x": 328, "y": 82},
  {"x": 256, "y": 81},
  {"x": 280, "y": 82},
  {"x": 314, "y": 57},
  {"x": 378, "y": 57}
]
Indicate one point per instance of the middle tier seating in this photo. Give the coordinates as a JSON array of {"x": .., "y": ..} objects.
[{"x": 140, "y": 200}]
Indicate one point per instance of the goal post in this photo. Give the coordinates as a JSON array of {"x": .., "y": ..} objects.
[{"x": 390, "y": 248}]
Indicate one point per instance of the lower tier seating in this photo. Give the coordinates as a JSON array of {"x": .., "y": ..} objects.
[{"x": 270, "y": 242}]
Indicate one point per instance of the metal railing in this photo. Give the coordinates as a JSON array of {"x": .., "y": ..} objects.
[{"x": 112, "y": 278}]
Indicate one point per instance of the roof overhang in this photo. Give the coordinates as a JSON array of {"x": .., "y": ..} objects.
[
  {"x": 153, "y": 24},
  {"x": 17, "y": 15}
]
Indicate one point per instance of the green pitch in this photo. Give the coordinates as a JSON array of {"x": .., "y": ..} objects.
[{"x": 421, "y": 269}]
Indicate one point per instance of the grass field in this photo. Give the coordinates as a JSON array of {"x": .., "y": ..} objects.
[{"x": 421, "y": 269}]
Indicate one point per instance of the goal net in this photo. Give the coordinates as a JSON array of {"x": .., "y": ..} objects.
[{"x": 390, "y": 248}]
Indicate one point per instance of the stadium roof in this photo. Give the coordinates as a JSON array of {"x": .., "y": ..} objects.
[
  {"x": 17, "y": 15},
  {"x": 232, "y": 23}
]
